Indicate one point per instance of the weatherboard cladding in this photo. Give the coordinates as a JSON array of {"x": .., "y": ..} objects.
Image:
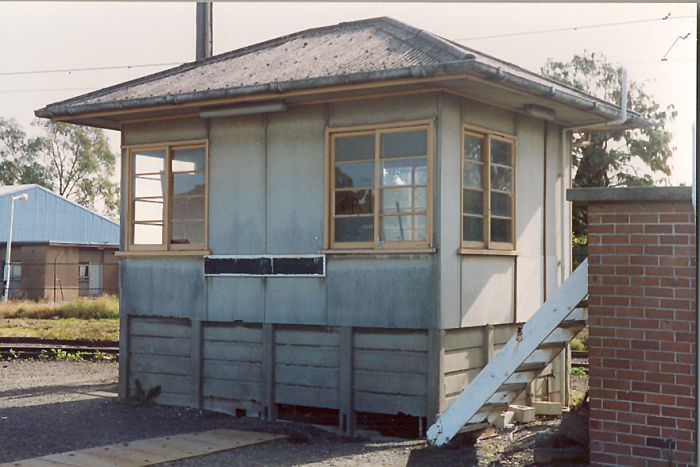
[
  {"x": 48, "y": 217},
  {"x": 361, "y": 51}
]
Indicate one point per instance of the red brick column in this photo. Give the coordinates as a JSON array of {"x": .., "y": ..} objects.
[{"x": 642, "y": 331}]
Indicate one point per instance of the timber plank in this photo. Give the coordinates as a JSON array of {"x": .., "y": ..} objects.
[
  {"x": 233, "y": 333},
  {"x": 321, "y": 377},
  {"x": 155, "y": 327},
  {"x": 161, "y": 364},
  {"x": 416, "y": 341},
  {"x": 243, "y": 352},
  {"x": 310, "y": 356},
  {"x": 170, "y": 346},
  {"x": 238, "y": 371},
  {"x": 458, "y": 339},
  {"x": 398, "y": 361},
  {"x": 307, "y": 338}
]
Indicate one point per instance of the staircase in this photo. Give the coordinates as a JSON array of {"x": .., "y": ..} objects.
[{"x": 519, "y": 362}]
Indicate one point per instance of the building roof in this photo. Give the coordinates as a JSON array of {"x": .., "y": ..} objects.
[
  {"x": 367, "y": 51},
  {"x": 47, "y": 217}
]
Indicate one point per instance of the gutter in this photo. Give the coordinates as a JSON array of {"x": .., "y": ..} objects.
[{"x": 469, "y": 65}]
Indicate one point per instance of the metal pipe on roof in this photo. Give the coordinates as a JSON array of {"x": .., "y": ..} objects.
[{"x": 204, "y": 30}]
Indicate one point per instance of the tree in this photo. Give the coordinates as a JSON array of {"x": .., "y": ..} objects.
[
  {"x": 72, "y": 160},
  {"x": 19, "y": 156},
  {"x": 614, "y": 158},
  {"x": 80, "y": 164}
]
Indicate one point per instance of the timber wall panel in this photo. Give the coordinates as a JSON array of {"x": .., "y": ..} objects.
[
  {"x": 390, "y": 371},
  {"x": 306, "y": 369},
  {"x": 159, "y": 355},
  {"x": 231, "y": 367}
]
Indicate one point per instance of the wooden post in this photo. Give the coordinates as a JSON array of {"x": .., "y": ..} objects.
[
  {"x": 196, "y": 362},
  {"x": 489, "y": 343},
  {"x": 269, "y": 408},
  {"x": 346, "y": 415},
  {"x": 436, "y": 375}
]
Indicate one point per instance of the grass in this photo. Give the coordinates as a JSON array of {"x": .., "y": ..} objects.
[
  {"x": 85, "y": 308},
  {"x": 69, "y": 328}
]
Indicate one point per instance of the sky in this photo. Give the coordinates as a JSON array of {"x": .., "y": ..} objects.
[{"x": 45, "y": 36}]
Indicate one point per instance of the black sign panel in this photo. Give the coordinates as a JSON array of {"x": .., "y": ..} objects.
[
  {"x": 306, "y": 266},
  {"x": 259, "y": 266},
  {"x": 266, "y": 266}
]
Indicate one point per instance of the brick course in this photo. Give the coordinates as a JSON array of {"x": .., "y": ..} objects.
[{"x": 642, "y": 332}]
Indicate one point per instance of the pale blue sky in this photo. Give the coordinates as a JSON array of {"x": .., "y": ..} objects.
[{"x": 46, "y": 36}]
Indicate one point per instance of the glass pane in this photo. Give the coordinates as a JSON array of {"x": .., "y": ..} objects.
[
  {"x": 146, "y": 234},
  {"x": 354, "y": 148},
  {"x": 188, "y": 184},
  {"x": 405, "y": 172},
  {"x": 402, "y": 228},
  {"x": 188, "y": 160},
  {"x": 472, "y": 175},
  {"x": 500, "y": 230},
  {"x": 149, "y": 161},
  {"x": 501, "y": 178},
  {"x": 349, "y": 175},
  {"x": 149, "y": 185},
  {"x": 187, "y": 210},
  {"x": 500, "y": 204},
  {"x": 354, "y": 229},
  {"x": 354, "y": 202},
  {"x": 148, "y": 210},
  {"x": 501, "y": 152},
  {"x": 404, "y": 144},
  {"x": 473, "y": 229},
  {"x": 473, "y": 149},
  {"x": 403, "y": 200},
  {"x": 473, "y": 202}
]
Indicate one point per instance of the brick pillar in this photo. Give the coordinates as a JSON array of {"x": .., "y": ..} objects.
[{"x": 642, "y": 326}]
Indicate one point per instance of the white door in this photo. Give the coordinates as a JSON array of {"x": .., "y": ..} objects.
[{"x": 95, "y": 278}]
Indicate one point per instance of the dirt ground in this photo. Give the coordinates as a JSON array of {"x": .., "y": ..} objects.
[{"x": 49, "y": 407}]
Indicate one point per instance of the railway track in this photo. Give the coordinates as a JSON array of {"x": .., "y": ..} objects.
[{"x": 31, "y": 347}]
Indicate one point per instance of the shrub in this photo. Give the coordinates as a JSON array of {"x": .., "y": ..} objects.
[
  {"x": 576, "y": 344},
  {"x": 104, "y": 307}
]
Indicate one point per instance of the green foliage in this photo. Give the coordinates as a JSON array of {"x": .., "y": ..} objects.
[
  {"x": 59, "y": 354},
  {"x": 636, "y": 157},
  {"x": 579, "y": 371},
  {"x": 72, "y": 160},
  {"x": 13, "y": 354},
  {"x": 100, "y": 356},
  {"x": 576, "y": 344}
]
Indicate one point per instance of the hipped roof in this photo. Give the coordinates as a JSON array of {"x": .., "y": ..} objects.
[{"x": 378, "y": 50}]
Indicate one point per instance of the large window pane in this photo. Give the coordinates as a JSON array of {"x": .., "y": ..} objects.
[
  {"x": 402, "y": 228},
  {"x": 354, "y": 229},
  {"x": 187, "y": 222},
  {"x": 501, "y": 152},
  {"x": 500, "y": 204},
  {"x": 354, "y": 202},
  {"x": 472, "y": 176},
  {"x": 188, "y": 160},
  {"x": 473, "y": 202},
  {"x": 148, "y": 210},
  {"x": 405, "y": 172},
  {"x": 350, "y": 175},
  {"x": 404, "y": 144},
  {"x": 148, "y": 234},
  {"x": 500, "y": 230},
  {"x": 473, "y": 149},
  {"x": 501, "y": 178},
  {"x": 149, "y": 161},
  {"x": 398, "y": 200},
  {"x": 473, "y": 229},
  {"x": 149, "y": 185},
  {"x": 354, "y": 148}
]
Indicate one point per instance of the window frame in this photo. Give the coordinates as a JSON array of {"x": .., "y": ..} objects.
[
  {"x": 377, "y": 130},
  {"x": 487, "y": 245},
  {"x": 165, "y": 246}
]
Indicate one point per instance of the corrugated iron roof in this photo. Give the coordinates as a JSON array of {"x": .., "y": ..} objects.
[{"x": 360, "y": 51}]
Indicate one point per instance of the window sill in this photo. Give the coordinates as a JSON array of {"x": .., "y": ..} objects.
[
  {"x": 484, "y": 252},
  {"x": 162, "y": 253},
  {"x": 388, "y": 251}
]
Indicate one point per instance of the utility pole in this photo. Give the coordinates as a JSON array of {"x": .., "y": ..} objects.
[
  {"x": 8, "y": 251},
  {"x": 204, "y": 30}
]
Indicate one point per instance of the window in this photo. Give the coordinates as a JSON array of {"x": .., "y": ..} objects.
[
  {"x": 168, "y": 197},
  {"x": 83, "y": 272},
  {"x": 380, "y": 187},
  {"x": 488, "y": 202}
]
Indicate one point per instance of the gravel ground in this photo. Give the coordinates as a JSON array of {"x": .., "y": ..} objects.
[{"x": 49, "y": 407}]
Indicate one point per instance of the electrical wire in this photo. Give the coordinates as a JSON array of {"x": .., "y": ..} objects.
[
  {"x": 684, "y": 37},
  {"x": 576, "y": 28},
  {"x": 96, "y": 68}
]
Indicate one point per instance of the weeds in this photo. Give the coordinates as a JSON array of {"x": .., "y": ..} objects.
[
  {"x": 579, "y": 371},
  {"x": 89, "y": 308}
]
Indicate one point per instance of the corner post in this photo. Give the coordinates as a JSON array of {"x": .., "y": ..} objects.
[
  {"x": 346, "y": 415},
  {"x": 269, "y": 408},
  {"x": 196, "y": 362}
]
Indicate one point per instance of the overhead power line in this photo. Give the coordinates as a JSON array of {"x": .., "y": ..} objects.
[
  {"x": 576, "y": 28},
  {"x": 664, "y": 59},
  {"x": 95, "y": 68}
]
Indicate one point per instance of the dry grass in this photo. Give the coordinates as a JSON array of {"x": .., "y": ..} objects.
[
  {"x": 85, "y": 308},
  {"x": 70, "y": 328}
]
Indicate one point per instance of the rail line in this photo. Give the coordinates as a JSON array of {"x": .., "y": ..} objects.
[{"x": 32, "y": 347}]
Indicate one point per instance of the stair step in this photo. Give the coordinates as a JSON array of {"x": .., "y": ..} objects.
[
  {"x": 523, "y": 376},
  {"x": 560, "y": 336},
  {"x": 545, "y": 355}
]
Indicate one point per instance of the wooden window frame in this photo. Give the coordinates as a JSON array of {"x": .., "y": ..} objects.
[
  {"x": 487, "y": 246},
  {"x": 377, "y": 245},
  {"x": 165, "y": 247}
]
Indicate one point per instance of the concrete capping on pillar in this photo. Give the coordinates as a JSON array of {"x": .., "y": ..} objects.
[
  {"x": 196, "y": 361},
  {"x": 436, "y": 375},
  {"x": 269, "y": 408},
  {"x": 630, "y": 194},
  {"x": 346, "y": 414}
]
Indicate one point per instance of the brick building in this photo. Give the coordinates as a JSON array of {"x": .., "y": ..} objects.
[{"x": 642, "y": 286}]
